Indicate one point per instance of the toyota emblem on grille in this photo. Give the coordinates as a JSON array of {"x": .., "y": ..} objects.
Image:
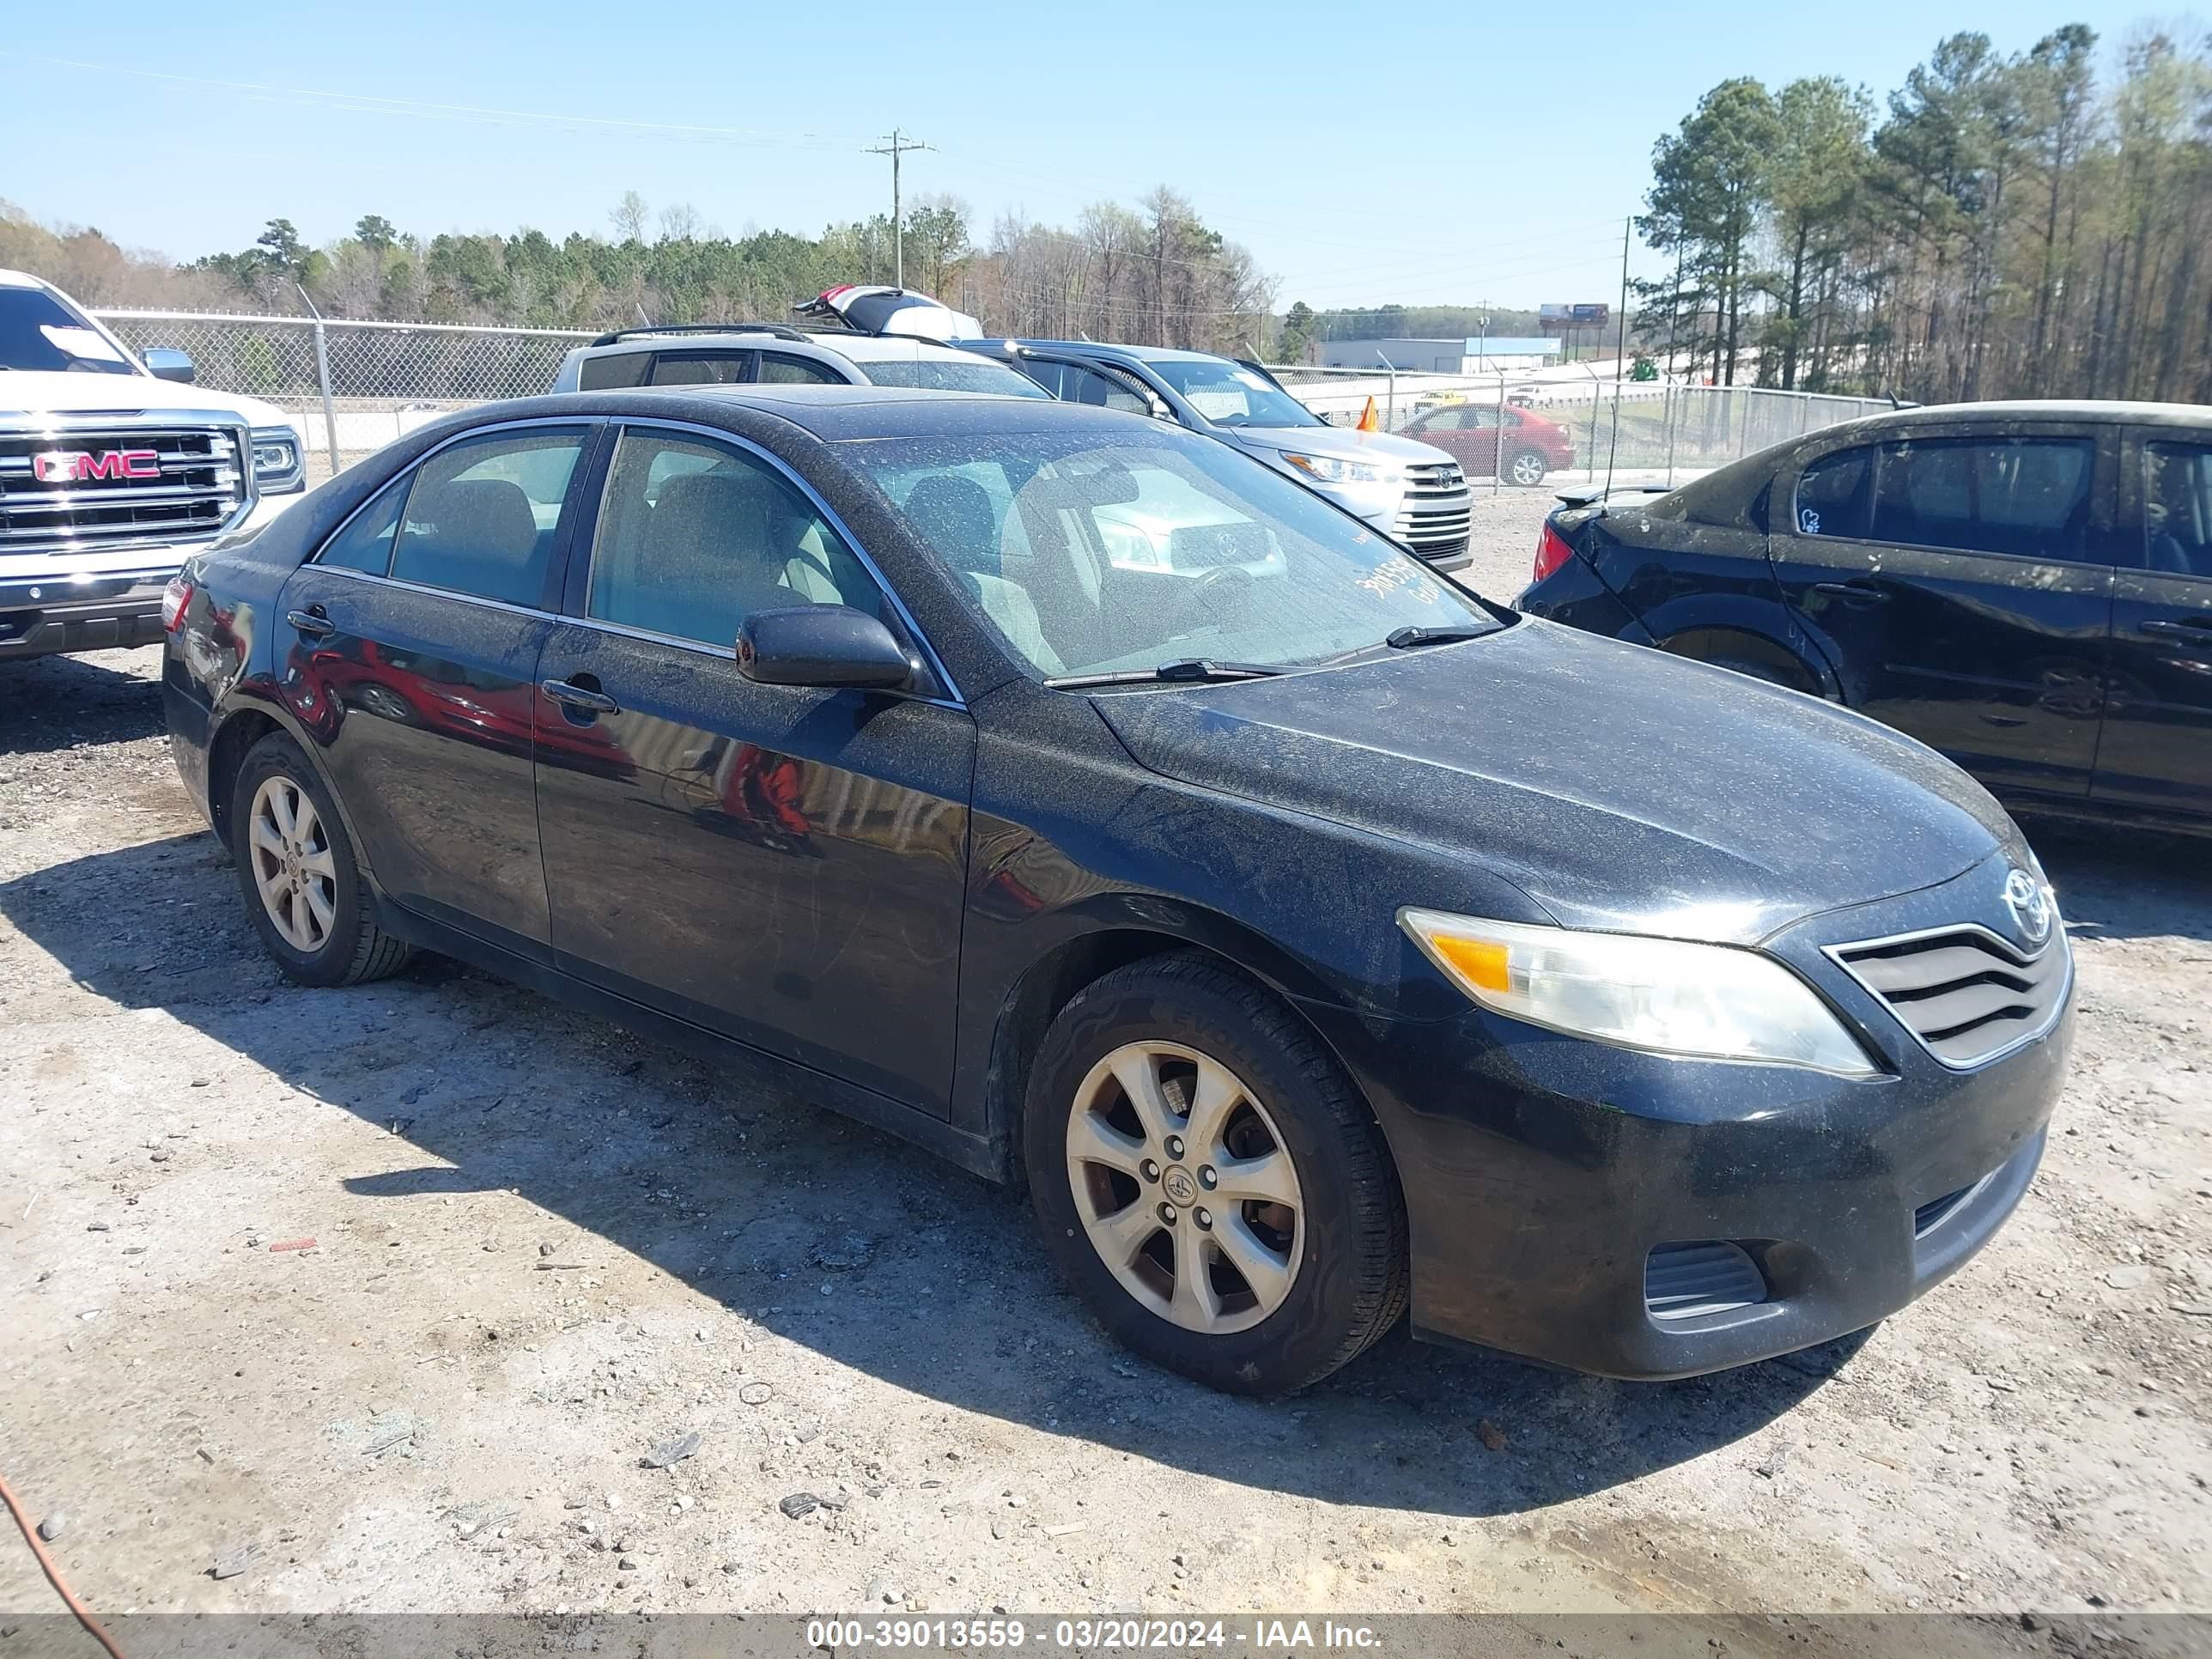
[
  {"x": 76, "y": 465},
  {"x": 2030, "y": 905}
]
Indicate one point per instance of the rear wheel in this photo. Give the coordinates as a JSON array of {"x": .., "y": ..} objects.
[
  {"x": 1528, "y": 467},
  {"x": 303, "y": 886},
  {"x": 1208, "y": 1180}
]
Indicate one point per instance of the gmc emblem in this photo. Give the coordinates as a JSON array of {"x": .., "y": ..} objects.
[{"x": 78, "y": 465}]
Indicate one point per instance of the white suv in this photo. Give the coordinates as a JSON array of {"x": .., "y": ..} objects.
[
  {"x": 113, "y": 468},
  {"x": 730, "y": 354}
]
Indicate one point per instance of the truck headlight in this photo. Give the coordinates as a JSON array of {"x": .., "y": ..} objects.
[
  {"x": 1664, "y": 996},
  {"x": 1330, "y": 470},
  {"x": 278, "y": 466}
]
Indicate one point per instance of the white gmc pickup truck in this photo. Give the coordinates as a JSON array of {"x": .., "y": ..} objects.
[{"x": 114, "y": 469}]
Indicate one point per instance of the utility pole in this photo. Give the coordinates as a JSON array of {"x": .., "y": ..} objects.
[{"x": 895, "y": 145}]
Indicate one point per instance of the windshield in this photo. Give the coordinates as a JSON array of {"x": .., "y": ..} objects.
[
  {"x": 1229, "y": 394},
  {"x": 1093, "y": 557},
  {"x": 39, "y": 332},
  {"x": 935, "y": 374}
]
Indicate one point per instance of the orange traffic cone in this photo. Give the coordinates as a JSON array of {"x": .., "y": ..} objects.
[{"x": 1369, "y": 421}]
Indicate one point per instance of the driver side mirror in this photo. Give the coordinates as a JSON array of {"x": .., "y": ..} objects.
[
  {"x": 167, "y": 363},
  {"x": 830, "y": 645}
]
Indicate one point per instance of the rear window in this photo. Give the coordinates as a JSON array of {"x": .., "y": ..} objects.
[
  {"x": 620, "y": 369},
  {"x": 936, "y": 374},
  {"x": 2027, "y": 496}
]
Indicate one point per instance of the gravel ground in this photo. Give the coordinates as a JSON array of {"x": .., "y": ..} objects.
[{"x": 541, "y": 1249}]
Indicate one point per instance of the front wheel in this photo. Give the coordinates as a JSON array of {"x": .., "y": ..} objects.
[
  {"x": 303, "y": 886},
  {"x": 1526, "y": 468},
  {"x": 1208, "y": 1180}
]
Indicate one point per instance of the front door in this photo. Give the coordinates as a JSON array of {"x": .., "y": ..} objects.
[
  {"x": 2157, "y": 748},
  {"x": 780, "y": 864},
  {"x": 1960, "y": 587},
  {"x": 411, "y": 645}
]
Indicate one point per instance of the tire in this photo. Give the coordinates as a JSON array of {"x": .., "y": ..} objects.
[
  {"x": 1328, "y": 1269},
  {"x": 305, "y": 891},
  {"x": 1527, "y": 467}
]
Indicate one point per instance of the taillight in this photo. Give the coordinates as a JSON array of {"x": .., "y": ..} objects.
[
  {"x": 174, "y": 598},
  {"x": 1551, "y": 551}
]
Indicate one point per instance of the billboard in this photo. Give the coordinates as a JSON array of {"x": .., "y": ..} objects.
[{"x": 1580, "y": 316}]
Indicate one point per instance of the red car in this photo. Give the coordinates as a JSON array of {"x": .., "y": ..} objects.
[{"x": 1469, "y": 434}]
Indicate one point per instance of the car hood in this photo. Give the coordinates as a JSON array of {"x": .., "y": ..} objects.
[
  {"x": 1341, "y": 443},
  {"x": 25, "y": 392},
  {"x": 1617, "y": 787}
]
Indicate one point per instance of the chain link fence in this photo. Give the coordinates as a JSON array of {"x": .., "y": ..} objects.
[
  {"x": 355, "y": 387},
  {"x": 1561, "y": 425}
]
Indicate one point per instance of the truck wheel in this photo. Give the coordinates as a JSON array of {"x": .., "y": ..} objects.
[
  {"x": 1526, "y": 468},
  {"x": 302, "y": 885},
  {"x": 1209, "y": 1181}
]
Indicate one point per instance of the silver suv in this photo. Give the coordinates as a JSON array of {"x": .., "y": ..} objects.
[{"x": 733, "y": 354}]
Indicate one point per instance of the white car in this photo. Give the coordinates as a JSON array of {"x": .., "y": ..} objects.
[
  {"x": 114, "y": 469},
  {"x": 769, "y": 354}
]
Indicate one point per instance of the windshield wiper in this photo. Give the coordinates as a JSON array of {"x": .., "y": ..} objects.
[
  {"x": 1189, "y": 670},
  {"x": 1404, "y": 639}
]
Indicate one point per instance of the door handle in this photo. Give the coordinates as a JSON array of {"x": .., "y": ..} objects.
[
  {"x": 2199, "y": 631},
  {"x": 580, "y": 697},
  {"x": 1853, "y": 593},
  {"x": 312, "y": 622}
]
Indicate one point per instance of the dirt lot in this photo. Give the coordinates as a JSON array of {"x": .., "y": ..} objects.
[{"x": 542, "y": 1249}]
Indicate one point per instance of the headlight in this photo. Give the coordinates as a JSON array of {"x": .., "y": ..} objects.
[
  {"x": 277, "y": 468},
  {"x": 1713, "y": 1001},
  {"x": 1329, "y": 469}
]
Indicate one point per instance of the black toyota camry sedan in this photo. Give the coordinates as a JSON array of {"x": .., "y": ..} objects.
[
  {"x": 1093, "y": 805},
  {"x": 2026, "y": 586}
]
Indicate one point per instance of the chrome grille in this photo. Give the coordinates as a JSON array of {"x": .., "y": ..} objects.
[
  {"x": 196, "y": 485},
  {"x": 1966, "y": 993},
  {"x": 1437, "y": 513}
]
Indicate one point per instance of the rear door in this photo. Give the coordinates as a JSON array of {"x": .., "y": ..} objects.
[
  {"x": 780, "y": 864},
  {"x": 2156, "y": 753},
  {"x": 1960, "y": 586},
  {"x": 415, "y": 635}
]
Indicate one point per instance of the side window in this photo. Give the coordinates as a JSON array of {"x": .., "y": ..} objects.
[
  {"x": 2178, "y": 509},
  {"x": 693, "y": 537},
  {"x": 366, "y": 542},
  {"x": 619, "y": 368},
  {"x": 776, "y": 369},
  {"x": 1087, "y": 386},
  {"x": 1445, "y": 420},
  {"x": 701, "y": 368},
  {"x": 481, "y": 518},
  {"x": 1833, "y": 493},
  {"x": 1045, "y": 375},
  {"x": 2023, "y": 495}
]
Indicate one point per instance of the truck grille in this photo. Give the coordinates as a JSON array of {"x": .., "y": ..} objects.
[
  {"x": 194, "y": 484},
  {"x": 1966, "y": 993},
  {"x": 1438, "y": 511}
]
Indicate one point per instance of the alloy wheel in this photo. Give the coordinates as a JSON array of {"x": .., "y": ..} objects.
[
  {"x": 292, "y": 864},
  {"x": 1185, "y": 1188},
  {"x": 1527, "y": 469}
]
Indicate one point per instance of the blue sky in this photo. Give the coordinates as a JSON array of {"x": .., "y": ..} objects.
[{"x": 1364, "y": 153}]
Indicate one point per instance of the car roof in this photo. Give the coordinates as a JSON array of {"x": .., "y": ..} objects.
[
  {"x": 19, "y": 279},
  {"x": 855, "y": 347},
  {"x": 838, "y": 413},
  {"x": 2031, "y": 409},
  {"x": 1140, "y": 353}
]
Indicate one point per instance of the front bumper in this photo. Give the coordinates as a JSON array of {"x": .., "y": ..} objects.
[
  {"x": 1540, "y": 1171},
  {"x": 51, "y": 605}
]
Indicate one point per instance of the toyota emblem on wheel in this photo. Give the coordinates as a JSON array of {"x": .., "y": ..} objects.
[{"x": 2030, "y": 905}]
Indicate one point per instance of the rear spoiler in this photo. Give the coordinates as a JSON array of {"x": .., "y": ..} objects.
[{"x": 1595, "y": 495}]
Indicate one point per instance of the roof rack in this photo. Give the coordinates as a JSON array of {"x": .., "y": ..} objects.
[{"x": 778, "y": 330}]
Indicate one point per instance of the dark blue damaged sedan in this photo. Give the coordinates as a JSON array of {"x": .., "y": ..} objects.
[{"x": 1101, "y": 810}]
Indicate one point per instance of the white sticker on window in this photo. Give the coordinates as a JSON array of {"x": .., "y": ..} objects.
[
  {"x": 81, "y": 343},
  {"x": 1810, "y": 519}
]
